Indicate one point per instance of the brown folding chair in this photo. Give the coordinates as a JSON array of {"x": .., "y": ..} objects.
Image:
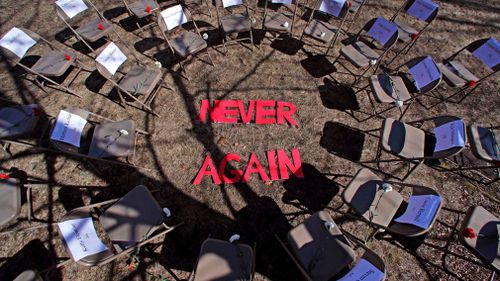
[
  {"x": 391, "y": 89},
  {"x": 142, "y": 9},
  {"x": 366, "y": 56},
  {"x": 377, "y": 203},
  {"x": 459, "y": 77},
  {"x": 479, "y": 233},
  {"x": 53, "y": 64},
  {"x": 322, "y": 30},
  {"x": 127, "y": 224},
  {"x": 224, "y": 261},
  {"x": 423, "y": 11},
  {"x": 321, "y": 251},
  {"x": 184, "y": 42},
  {"x": 234, "y": 21},
  {"x": 279, "y": 17},
  {"x": 92, "y": 29}
]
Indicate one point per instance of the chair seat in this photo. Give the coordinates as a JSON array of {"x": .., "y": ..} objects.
[
  {"x": 359, "y": 54},
  {"x": 483, "y": 223},
  {"x": 315, "y": 28},
  {"x": 138, "y": 8},
  {"x": 405, "y": 31},
  {"x": 17, "y": 121},
  {"x": 322, "y": 253},
  {"x": 132, "y": 218},
  {"x": 385, "y": 93},
  {"x": 141, "y": 80},
  {"x": 90, "y": 31},
  {"x": 54, "y": 63},
  {"x": 235, "y": 23},
  {"x": 365, "y": 196},
  {"x": 402, "y": 140},
  {"x": 455, "y": 74},
  {"x": 29, "y": 275},
  {"x": 187, "y": 43},
  {"x": 483, "y": 144},
  {"x": 107, "y": 141},
  {"x": 275, "y": 21},
  {"x": 10, "y": 200},
  {"x": 224, "y": 261}
]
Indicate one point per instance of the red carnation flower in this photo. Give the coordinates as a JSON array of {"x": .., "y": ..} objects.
[
  {"x": 349, "y": 5},
  {"x": 471, "y": 84},
  {"x": 469, "y": 233},
  {"x": 37, "y": 111},
  {"x": 100, "y": 26},
  {"x": 414, "y": 36},
  {"x": 4, "y": 177},
  {"x": 67, "y": 57},
  {"x": 148, "y": 9}
]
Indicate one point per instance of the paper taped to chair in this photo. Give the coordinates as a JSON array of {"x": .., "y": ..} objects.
[
  {"x": 81, "y": 238},
  {"x": 365, "y": 271},
  {"x": 422, "y": 9},
  {"x": 68, "y": 128},
  {"x": 287, "y": 2},
  {"x": 451, "y": 134},
  {"x": 382, "y": 30},
  {"x": 72, "y": 7},
  {"x": 229, "y": 3},
  {"x": 421, "y": 210},
  {"x": 332, "y": 7},
  {"x": 174, "y": 16},
  {"x": 17, "y": 41},
  {"x": 489, "y": 53},
  {"x": 425, "y": 72},
  {"x": 111, "y": 58}
]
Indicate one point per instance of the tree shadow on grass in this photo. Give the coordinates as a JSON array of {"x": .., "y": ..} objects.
[{"x": 343, "y": 141}]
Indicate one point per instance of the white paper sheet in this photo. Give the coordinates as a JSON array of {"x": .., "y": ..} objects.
[
  {"x": 332, "y": 7},
  {"x": 422, "y": 9},
  {"x": 68, "y": 128},
  {"x": 17, "y": 41},
  {"x": 229, "y": 3},
  {"x": 421, "y": 210},
  {"x": 111, "y": 58},
  {"x": 174, "y": 16},
  {"x": 71, "y": 7},
  {"x": 489, "y": 53},
  {"x": 81, "y": 238},
  {"x": 287, "y": 2},
  {"x": 382, "y": 30},
  {"x": 450, "y": 135},
  {"x": 364, "y": 271},
  {"x": 425, "y": 72}
]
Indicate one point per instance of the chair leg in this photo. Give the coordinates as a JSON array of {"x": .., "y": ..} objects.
[
  {"x": 251, "y": 38},
  {"x": 224, "y": 43},
  {"x": 210, "y": 57},
  {"x": 411, "y": 170}
]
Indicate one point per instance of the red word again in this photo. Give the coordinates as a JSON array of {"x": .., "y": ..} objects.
[
  {"x": 233, "y": 111},
  {"x": 277, "y": 171}
]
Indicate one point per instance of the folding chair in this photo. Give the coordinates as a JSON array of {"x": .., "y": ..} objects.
[
  {"x": 377, "y": 203},
  {"x": 185, "y": 42},
  {"x": 323, "y": 31},
  {"x": 125, "y": 225},
  {"x": 224, "y": 261},
  {"x": 322, "y": 252},
  {"x": 423, "y": 11},
  {"x": 354, "y": 8},
  {"x": 364, "y": 56},
  {"x": 277, "y": 21},
  {"x": 141, "y": 83},
  {"x": 77, "y": 132},
  {"x": 70, "y": 11},
  {"x": 458, "y": 76},
  {"x": 390, "y": 88},
  {"x": 16, "y": 43},
  {"x": 412, "y": 145},
  {"x": 142, "y": 9},
  {"x": 480, "y": 234},
  {"x": 234, "y": 21}
]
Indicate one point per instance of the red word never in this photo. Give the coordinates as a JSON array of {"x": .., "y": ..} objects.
[{"x": 276, "y": 172}]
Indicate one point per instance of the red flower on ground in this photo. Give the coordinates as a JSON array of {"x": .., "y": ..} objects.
[
  {"x": 100, "y": 26},
  {"x": 67, "y": 57},
  {"x": 37, "y": 111},
  {"x": 414, "y": 36},
  {"x": 4, "y": 177},
  {"x": 148, "y": 9},
  {"x": 469, "y": 233},
  {"x": 471, "y": 84}
]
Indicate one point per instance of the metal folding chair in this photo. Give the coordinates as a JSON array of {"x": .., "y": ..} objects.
[
  {"x": 234, "y": 21},
  {"x": 279, "y": 17},
  {"x": 142, "y": 9}
]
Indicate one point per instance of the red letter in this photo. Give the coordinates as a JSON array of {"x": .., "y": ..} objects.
[
  {"x": 286, "y": 114},
  {"x": 273, "y": 169},
  {"x": 258, "y": 168},
  {"x": 246, "y": 117},
  {"x": 227, "y": 115},
  {"x": 261, "y": 113},
  {"x": 211, "y": 172},
  {"x": 284, "y": 163},
  {"x": 205, "y": 106},
  {"x": 236, "y": 173}
]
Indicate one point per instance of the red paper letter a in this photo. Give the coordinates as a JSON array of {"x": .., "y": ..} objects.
[{"x": 210, "y": 172}]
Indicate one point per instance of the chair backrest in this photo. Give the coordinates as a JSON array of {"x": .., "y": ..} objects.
[
  {"x": 487, "y": 51},
  {"x": 232, "y": 3},
  {"x": 383, "y": 31},
  {"x": 66, "y": 147},
  {"x": 334, "y": 8},
  {"x": 16, "y": 42},
  {"x": 442, "y": 120},
  {"x": 109, "y": 60},
  {"x": 425, "y": 73},
  {"x": 424, "y": 10},
  {"x": 172, "y": 18},
  {"x": 70, "y": 9}
]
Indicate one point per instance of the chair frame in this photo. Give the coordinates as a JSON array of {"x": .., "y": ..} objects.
[
  {"x": 274, "y": 32},
  {"x": 151, "y": 15},
  {"x": 221, "y": 30},
  {"x": 354, "y": 17}
]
